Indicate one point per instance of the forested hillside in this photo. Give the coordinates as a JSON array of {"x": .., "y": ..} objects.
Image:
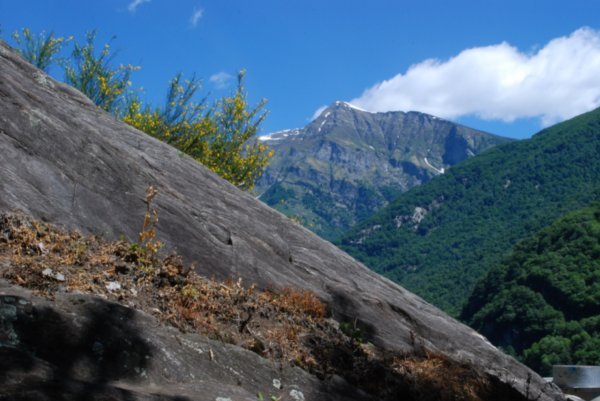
[
  {"x": 542, "y": 303},
  {"x": 439, "y": 239}
]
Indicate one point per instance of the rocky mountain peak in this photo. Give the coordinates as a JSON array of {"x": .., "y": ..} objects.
[
  {"x": 347, "y": 163},
  {"x": 341, "y": 105},
  {"x": 338, "y": 112}
]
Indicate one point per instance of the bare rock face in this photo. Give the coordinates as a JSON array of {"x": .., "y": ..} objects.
[{"x": 66, "y": 161}]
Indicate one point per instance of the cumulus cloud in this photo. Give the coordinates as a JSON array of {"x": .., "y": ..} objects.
[
  {"x": 196, "y": 15},
  {"x": 499, "y": 82},
  {"x": 135, "y": 4},
  {"x": 221, "y": 80}
]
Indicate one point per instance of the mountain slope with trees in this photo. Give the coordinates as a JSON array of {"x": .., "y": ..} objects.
[
  {"x": 439, "y": 239},
  {"x": 542, "y": 303}
]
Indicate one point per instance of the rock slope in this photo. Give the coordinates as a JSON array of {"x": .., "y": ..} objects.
[
  {"x": 65, "y": 161},
  {"x": 348, "y": 163}
]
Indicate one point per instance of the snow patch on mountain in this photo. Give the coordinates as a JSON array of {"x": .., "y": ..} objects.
[
  {"x": 279, "y": 135},
  {"x": 351, "y": 106}
]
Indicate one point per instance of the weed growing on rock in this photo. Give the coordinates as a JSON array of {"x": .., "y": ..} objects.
[
  {"x": 149, "y": 244},
  {"x": 41, "y": 49}
]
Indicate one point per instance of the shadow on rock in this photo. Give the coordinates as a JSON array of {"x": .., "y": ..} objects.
[
  {"x": 75, "y": 355},
  {"x": 387, "y": 376}
]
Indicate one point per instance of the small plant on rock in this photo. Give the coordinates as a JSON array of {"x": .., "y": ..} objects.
[
  {"x": 40, "y": 50},
  {"x": 149, "y": 246}
]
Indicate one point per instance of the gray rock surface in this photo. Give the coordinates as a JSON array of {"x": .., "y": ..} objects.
[
  {"x": 115, "y": 353},
  {"x": 65, "y": 161}
]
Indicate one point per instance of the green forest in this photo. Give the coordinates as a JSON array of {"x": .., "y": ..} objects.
[
  {"x": 542, "y": 303},
  {"x": 474, "y": 214}
]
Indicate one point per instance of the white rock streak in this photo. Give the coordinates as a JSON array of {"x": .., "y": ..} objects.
[{"x": 439, "y": 171}]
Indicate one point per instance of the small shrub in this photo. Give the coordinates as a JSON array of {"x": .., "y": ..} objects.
[
  {"x": 149, "y": 245},
  {"x": 39, "y": 50},
  {"x": 92, "y": 73},
  {"x": 300, "y": 301}
]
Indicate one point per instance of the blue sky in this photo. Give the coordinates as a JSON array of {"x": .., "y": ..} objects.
[{"x": 509, "y": 67}]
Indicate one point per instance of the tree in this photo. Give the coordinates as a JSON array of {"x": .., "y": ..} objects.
[
  {"x": 233, "y": 153},
  {"x": 550, "y": 350}
]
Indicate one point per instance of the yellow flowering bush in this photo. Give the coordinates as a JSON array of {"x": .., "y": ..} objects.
[
  {"x": 95, "y": 77},
  {"x": 221, "y": 137}
]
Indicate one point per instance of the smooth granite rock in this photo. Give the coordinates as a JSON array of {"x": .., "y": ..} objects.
[{"x": 68, "y": 162}]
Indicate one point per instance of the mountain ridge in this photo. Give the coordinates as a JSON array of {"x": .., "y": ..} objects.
[
  {"x": 348, "y": 162},
  {"x": 541, "y": 302}
]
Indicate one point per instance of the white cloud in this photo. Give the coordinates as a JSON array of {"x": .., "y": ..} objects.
[
  {"x": 318, "y": 112},
  {"x": 499, "y": 82},
  {"x": 196, "y": 15},
  {"x": 135, "y": 4},
  {"x": 221, "y": 80}
]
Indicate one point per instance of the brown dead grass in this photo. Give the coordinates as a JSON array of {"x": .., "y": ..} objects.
[
  {"x": 424, "y": 377},
  {"x": 288, "y": 326}
]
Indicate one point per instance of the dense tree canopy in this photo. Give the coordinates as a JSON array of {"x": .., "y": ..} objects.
[
  {"x": 542, "y": 303},
  {"x": 472, "y": 216}
]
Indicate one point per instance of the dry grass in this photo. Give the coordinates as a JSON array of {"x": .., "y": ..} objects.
[
  {"x": 272, "y": 323},
  {"x": 288, "y": 326},
  {"x": 430, "y": 375}
]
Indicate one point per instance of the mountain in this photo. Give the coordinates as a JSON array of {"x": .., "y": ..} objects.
[
  {"x": 543, "y": 301},
  {"x": 348, "y": 163},
  {"x": 65, "y": 161},
  {"x": 440, "y": 238}
]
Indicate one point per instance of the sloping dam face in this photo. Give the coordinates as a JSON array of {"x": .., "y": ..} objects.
[{"x": 65, "y": 161}]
